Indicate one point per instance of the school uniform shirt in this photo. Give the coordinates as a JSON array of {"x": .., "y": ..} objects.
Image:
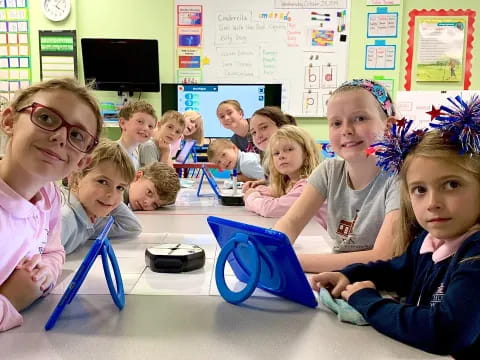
[
  {"x": 264, "y": 204},
  {"x": 354, "y": 216},
  {"x": 149, "y": 153},
  {"x": 249, "y": 165},
  {"x": 77, "y": 227},
  {"x": 27, "y": 229},
  {"x": 133, "y": 154},
  {"x": 441, "y": 313}
]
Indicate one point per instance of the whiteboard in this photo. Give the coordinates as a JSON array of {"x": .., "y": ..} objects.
[{"x": 301, "y": 44}]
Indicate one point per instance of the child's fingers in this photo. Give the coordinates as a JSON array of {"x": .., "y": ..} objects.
[
  {"x": 22, "y": 262},
  {"x": 47, "y": 283},
  {"x": 320, "y": 280},
  {"x": 337, "y": 291},
  {"x": 31, "y": 263}
]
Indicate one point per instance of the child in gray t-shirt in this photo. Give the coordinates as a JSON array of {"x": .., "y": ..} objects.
[{"x": 363, "y": 203}]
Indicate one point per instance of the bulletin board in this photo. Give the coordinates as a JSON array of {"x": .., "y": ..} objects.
[
  {"x": 58, "y": 54},
  {"x": 439, "y": 47},
  {"x": 15, "y": 64},
  {"x": 301, "y": 44}
]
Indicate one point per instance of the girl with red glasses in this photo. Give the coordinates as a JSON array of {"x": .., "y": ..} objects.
[{"x": 52, "y": 127}]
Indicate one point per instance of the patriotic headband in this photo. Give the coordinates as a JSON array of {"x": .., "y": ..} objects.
[
  {"x": 458, "y": 125},
  {"x": 395, "y": 145},
  {"x": 377, "y": 90}
]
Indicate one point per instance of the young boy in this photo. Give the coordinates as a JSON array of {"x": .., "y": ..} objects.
[
  {"x": 96, "y": 192},
  {"x": 169, "y": 130},
  {"x": 137, "y": 121},
  {"x": 226, "y": 155},
  {"x": 154, "y": 186}
]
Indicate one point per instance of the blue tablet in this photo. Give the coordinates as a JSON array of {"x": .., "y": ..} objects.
[
  {"x": 101, "y": 246},
  {"x": 185, "y": 152},
  {"x": 261, "y": 258}
]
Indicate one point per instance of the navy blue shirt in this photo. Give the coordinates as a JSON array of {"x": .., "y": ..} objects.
[{"x": 441, "y": 313}]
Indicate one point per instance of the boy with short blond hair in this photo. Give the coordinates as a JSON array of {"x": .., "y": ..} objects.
[
  {"x": 169, "y": 129},
  {"x": 137, "y": 120},
  {"x": 154, "y": 186},
  {"x": 226, "y": 155}
]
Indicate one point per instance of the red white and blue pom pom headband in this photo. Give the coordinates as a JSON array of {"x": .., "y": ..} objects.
[{"x": 458, "y": 125}]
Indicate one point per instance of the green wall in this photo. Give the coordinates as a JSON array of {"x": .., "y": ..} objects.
[{"x": 154, "y": 19}]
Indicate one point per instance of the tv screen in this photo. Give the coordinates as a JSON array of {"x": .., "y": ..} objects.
[
  {"x": 204, "y": 98},
  {"x": 121, "y": 64}
]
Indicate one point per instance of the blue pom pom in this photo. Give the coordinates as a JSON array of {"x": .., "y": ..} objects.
[{"x": 461, "y": 123}]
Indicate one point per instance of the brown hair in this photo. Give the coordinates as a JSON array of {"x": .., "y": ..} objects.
[
  {"x": 234, "y": 103},
  {"x": 276, "y": 115},
  {"x": 172, "y": 115},
  {"x": 133, "y": 107},
  {"x": 165, "y": 180},
  {"x": 432, "y": 146},
  {"x": 84, "y": 93},
  {"x": 279, "y": 182},
  {"x": 218, "y": 145},
  {"x": 198, "y": 134},
  {"x": 106, "y": 151}
]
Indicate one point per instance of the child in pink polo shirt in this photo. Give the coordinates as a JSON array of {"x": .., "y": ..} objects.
[{"x": 52, "y": 127}]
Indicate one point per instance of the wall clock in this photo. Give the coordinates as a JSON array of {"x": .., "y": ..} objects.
[{"x": 56, "y": 10}]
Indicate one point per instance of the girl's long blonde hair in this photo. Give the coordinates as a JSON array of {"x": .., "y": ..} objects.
[
  {"x": 198, "y": 134},
  {"x": 432, "y": 146},
  {"x": 311, "y": 157}
]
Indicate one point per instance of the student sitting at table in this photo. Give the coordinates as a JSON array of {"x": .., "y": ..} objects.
[
  {"x": 362, "y": 202},
  {"x": 169, "y": 130},
  {"x": 226, "y": 155},
  {"x": 292, "y": 156},
  {"x": 52, "y": 127},
  {"x": 193, "y": 131},
  {"x": 439, "y": 270},
  {"x": 96, "y": 192},
  {"x": 137, "y": 120},
  {"x": 154, "y": 186}
]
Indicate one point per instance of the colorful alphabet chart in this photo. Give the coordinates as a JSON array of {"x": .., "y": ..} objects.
[{"x": 15, "y": 67}]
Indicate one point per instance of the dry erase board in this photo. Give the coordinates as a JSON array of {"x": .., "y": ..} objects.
[{"x": 301, "y": 44}]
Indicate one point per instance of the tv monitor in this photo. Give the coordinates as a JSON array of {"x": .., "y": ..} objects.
[
  {"x": 205, "y": 98},
  {"x": 121, "y": 64}
]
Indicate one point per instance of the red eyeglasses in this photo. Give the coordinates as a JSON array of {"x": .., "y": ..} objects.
[{"x": 50, "y": 120}]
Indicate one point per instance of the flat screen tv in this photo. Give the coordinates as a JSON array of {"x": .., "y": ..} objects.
[
  {"x": 123, "y": 65},
  {"x": 205, "y": 98}
]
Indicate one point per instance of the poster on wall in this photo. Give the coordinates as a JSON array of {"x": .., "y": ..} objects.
[
  {"x": 58, "y": 54},
  {"x": 440, "y": 49},
  {"x": 15, "y": 64}
]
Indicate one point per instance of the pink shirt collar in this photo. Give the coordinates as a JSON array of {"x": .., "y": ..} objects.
[
  {"x": 442, "y": 249},
  {"x": 20, "y": 207}
]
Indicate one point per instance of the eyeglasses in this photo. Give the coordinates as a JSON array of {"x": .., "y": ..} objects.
[{"x": 50, "y": 120}]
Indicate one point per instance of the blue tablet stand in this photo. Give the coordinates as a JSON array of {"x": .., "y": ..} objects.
[
  {"x": 101, "y": 246},
  {"x": 259, "y": 257}
]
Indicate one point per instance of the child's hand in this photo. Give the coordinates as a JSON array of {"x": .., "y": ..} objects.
[
  {"x": 40, "y": 273},
  {"x": 335, "y": 282},
  {"x": 252, "y": 184},
  {"x": 353, "y": 288},
  {"x": 249, "y": 192},
  {"x": 162, "y": 145},
  {"x": 20, "y": 289}
]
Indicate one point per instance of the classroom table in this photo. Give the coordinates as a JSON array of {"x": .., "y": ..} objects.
[{"x": 181, "y": 316}]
